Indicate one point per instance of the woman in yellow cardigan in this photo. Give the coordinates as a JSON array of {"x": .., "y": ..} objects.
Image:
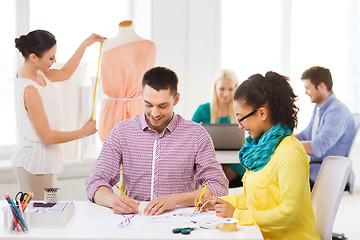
[{"x": 276, "y": 182}]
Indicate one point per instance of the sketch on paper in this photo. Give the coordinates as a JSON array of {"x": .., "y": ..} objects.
[
  {"x": 127, "y": 221},
  {"x": 178, "y": 217}
]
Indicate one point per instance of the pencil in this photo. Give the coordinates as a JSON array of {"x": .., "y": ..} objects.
[
  {"x": 17, "y": 213},
  {"x": 11, "y": 209},
  {"x": 202, "y": 193},
  {"x": 124, "y": 195},
  {"x": 28, "y": 199}
]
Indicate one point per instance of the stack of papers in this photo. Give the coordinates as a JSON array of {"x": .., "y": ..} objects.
[{"x": 56, "y": 216}]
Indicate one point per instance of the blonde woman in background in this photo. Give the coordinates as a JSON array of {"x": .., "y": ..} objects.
[{"x": 220, "y": 110}]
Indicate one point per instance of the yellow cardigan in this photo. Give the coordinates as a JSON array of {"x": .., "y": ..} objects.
[{"x": 277, "y": 197}]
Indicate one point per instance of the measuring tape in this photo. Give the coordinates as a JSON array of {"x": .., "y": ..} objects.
[{"x": 97, "y": 76}]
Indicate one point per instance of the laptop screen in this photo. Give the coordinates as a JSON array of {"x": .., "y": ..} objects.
[{"x": 225, "y": 136}]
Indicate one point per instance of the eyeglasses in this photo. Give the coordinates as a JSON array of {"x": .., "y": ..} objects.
[{"x": 245, "y": 117}]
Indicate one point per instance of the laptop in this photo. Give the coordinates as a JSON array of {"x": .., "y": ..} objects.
[{"x": 225, "y": 136}]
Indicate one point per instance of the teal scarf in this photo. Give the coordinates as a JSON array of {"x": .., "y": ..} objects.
[{"x": 255, "y": 154}]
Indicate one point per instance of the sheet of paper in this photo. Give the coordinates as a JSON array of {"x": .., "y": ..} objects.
[{"x": 181, "y": 217}]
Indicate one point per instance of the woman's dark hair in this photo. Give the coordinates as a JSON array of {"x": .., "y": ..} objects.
[
  {"x": 273, "y": 90},
  {"x": 36, "y": 42},
  {"x": 161, "y": 78}
]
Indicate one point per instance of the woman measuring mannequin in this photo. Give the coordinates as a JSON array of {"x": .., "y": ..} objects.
[{"x": 38, "y": 156}]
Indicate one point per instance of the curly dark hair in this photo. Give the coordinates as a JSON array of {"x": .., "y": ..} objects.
[{"x": 273, "y": 90}]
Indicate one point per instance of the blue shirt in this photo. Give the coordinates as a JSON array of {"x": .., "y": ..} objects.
[{"x": 334, "y": 135}]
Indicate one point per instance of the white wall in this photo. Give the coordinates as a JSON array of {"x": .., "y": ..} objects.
[
  {"x": 73, "y": 109},
  {"x": 188, "y": 42},
  {"x": 353, "y": 87}
]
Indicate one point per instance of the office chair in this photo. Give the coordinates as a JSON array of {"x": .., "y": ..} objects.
[
  {"x": 356, "y": 117},
  {"x": 326, "y": 195}
]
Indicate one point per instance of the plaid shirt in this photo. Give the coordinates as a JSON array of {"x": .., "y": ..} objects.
[{"x": 180, "y": 159}]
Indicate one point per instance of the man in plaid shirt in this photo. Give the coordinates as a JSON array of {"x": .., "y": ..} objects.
[{"x": 165, "y": 158}]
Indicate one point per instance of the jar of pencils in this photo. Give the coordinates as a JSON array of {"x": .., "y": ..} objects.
[{"x": 18, "y": 218}]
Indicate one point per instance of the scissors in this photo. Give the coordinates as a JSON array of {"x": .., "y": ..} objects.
[
  {"x": 20, "y": 197},
  {"x": 183, "y": 230}
]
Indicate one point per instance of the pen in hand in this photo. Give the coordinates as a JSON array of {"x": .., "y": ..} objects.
[{"x": 124, "y": 195}]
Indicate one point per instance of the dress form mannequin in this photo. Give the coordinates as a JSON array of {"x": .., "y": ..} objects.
[
  {"x": 125, "y": 34},
  {"x": 125, "y": 59}
]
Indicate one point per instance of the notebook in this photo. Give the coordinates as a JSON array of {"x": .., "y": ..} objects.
[
  {"x": 225, "y": 136},
  {"x": 56, "y": 216}
]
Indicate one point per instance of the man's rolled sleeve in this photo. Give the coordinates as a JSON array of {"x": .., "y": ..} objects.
[{"x": 92, "y": 185}]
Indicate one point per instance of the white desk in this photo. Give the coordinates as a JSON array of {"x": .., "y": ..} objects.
[
  {"x": 84, "y": 225},
  {"x": 227, "y": 157}
]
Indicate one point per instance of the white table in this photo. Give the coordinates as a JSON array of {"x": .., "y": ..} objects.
[
  {"x": 84, "y": 225},
  {"x": 227, "y": 157}
]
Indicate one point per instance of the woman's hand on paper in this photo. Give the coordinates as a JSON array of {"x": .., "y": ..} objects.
[
  {"x": 159, "y": 204},
  {"x": 123, "y": 205}
]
